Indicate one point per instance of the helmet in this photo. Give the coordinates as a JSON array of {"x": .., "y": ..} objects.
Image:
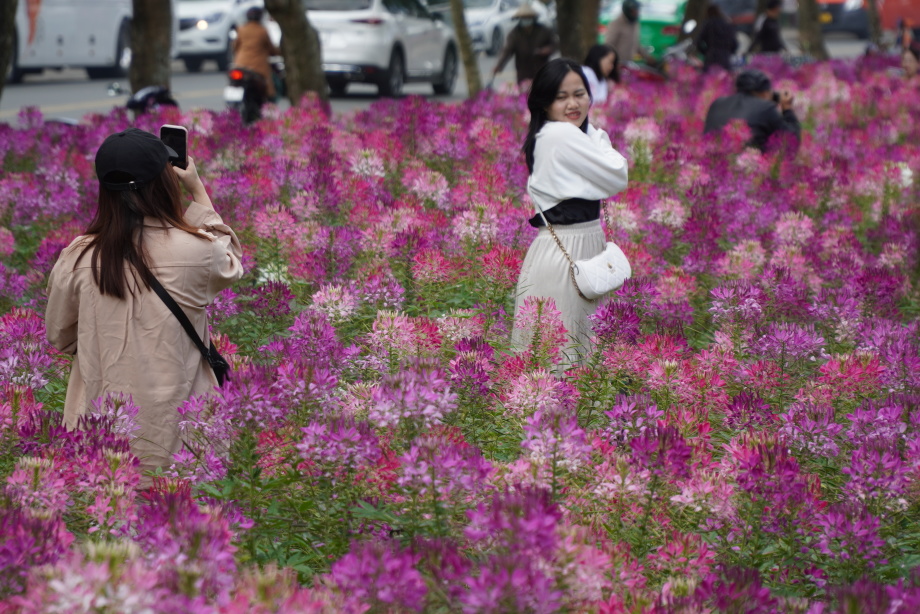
[
  {"x": 631, "y": 10},
  {"x": 254, "y": 14}
]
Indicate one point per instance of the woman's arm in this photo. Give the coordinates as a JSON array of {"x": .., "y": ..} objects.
[
  {"x": 589, "y": 156},
  {"x": 63, "y": 309}
]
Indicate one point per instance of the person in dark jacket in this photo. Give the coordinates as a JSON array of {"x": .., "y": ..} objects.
[
  {"x": 755, "y": 103},
  {"x": 717, "y": 40},
  {"x": 530, "y": 43},
  {"x": 767, "y": 38}
]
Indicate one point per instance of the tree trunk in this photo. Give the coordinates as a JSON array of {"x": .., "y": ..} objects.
[
  {"x": 467, "y": 55},
  {"x": 7, "y": 37},
  {"x": 151, "y": 41},
  {"x": 811, "y": 38},
  {"x": 569, "y": 17},
  {"x": 303, "y": 64},
  {"x": 875, "y": 22},
  {"x": 590, "y": 16}
]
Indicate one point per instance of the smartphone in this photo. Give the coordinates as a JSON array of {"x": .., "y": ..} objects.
[{"x": 177, "y": 138}]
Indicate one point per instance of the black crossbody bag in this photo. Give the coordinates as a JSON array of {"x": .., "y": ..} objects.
[{"x": 220, "y": 366}]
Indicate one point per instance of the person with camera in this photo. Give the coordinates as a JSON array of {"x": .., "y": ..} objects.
[
  {"x": 765, "y": 111},
  {"x": 253, "y": 49},
  {"x": 103, "y": 306}
]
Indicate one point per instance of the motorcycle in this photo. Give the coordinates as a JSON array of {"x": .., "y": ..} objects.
[
  {"x": 247, "y": 90},
  {"x": 658, "y": 71},
  {"x": 246, "y": 93}
]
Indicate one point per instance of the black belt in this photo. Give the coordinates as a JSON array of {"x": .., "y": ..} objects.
[{"x": 570, "y": 211}]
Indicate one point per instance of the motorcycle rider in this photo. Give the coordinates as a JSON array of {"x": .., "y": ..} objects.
[
  {"x": 253, "y": 47},
  {"x": 623, "y": 35}
]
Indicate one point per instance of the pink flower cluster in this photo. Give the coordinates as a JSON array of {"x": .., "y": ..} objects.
[{"x": 742, "y": 434}]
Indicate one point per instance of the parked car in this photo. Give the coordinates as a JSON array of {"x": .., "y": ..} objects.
[
  {"x": 206, "y": 28},
  {"x": 384, "y": 42},
  {"x": 844, "y": 16},
  {"x": 851, "y": 15},
  {"x": 659, "y": 22}
]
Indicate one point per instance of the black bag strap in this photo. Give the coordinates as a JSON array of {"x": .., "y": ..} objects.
[{"x": 180, "y": 315}]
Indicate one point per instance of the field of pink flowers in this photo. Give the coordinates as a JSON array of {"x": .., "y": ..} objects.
[{"x": 745, "y": 436}]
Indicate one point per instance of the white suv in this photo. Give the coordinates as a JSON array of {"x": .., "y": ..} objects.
[
  {"x": 384, "y": 42},
  {"x": 204, "y": 30}
]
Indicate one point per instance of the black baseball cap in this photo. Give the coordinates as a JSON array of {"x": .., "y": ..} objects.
[
  {"x": 753, "y": 81},
  {"x": 130, "y": 159}
]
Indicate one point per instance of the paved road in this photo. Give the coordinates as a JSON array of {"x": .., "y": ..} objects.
[{"x": 69, "y": 94}]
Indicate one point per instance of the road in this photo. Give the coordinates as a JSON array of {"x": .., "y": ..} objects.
[{"x": 70, "y": 94}]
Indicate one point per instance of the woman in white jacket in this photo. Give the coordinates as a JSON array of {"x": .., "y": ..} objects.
[{"x": 573, "y": 167}]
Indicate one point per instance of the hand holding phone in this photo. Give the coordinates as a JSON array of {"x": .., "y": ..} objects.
[{"x": 177, "y": 138}]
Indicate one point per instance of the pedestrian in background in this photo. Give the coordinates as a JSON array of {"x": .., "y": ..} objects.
[
  {"x": 910, "y": 63},
  {"x": 572, "y": 168},
  {"x": 767, "y": 36},
  {"x": 716, "y": 40},
  {"x": 101, "y": 305},
  {"x": 531, "y": 43},
  {"x": 601, "y": 67},
  {"x": 623, "y": 34}
]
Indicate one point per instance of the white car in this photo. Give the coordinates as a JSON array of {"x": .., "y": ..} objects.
[
  {"x": 384, "y": 42},
  {"x": 489, "y": 21},
  {"x": 205, "y": 28}
]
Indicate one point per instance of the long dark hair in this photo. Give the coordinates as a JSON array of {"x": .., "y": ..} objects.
[
  {"x": 543, "y": 92},
  {"x": 598, "y": 53},
  {"x": 116, "y": 235}
]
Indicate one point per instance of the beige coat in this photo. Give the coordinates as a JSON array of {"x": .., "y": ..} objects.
[
  {"x": 136, "y": 345},
  {"x": 252, "y": 49}
]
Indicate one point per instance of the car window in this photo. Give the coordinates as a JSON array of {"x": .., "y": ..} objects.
[
  {"x": 477, "y": 4},
  {"x": 337, "y": 5},
  {"x": 398, "y": 7}
]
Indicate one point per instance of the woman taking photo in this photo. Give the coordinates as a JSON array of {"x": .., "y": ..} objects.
[
  {"x": 101, "y": 307},
  {"x": 601, "y": 66},
  {"x": 572, "y": 168}
]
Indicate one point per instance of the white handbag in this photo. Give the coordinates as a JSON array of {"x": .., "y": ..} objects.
[{"x": 597, "y": 276}]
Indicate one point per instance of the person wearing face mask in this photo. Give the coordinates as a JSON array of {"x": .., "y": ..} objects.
[
  {"x": 623, "y": 34},
  {"x": 530, "y": 43},
  {"x": 572, "y": 168}
]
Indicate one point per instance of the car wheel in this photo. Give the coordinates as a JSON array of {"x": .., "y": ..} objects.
[
  {"x": 193, "y": 64},
  {"x": 394, "y": 77},
  {"x": 495, "y": 45},
  {"x": 122, "y": 58},
  {"x": 338, "y": 86},
  {"x": 445, "y": 86}
]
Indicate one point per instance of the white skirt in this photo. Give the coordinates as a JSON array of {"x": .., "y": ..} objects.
[{"x": 545, "y": 272}]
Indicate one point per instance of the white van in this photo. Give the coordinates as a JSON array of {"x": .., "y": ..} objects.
[{"x": 90, "y": 34}]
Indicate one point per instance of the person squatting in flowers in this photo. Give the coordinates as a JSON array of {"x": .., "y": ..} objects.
[
  {"x": 101, "y": 307},
  {"x": 572, "y": 168}
]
